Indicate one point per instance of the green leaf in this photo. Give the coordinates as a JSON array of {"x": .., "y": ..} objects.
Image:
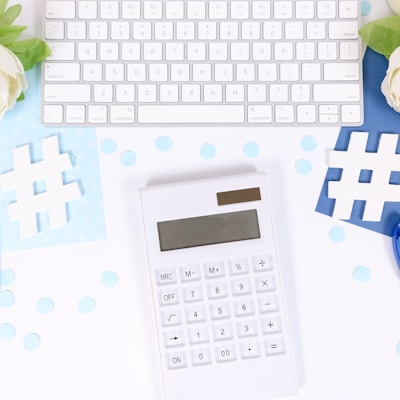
[
  {"x": 30, "y": 51},
  {"x": 21, "y": 97},
  {"x": 10, "y": 33},
  {"x": 3, "y": 6},
  {"x": 8, "y": 17},
  {"x": 382, "y": 35}
]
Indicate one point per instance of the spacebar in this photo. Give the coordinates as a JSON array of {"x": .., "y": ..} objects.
[{"x": 190, "y": 114}]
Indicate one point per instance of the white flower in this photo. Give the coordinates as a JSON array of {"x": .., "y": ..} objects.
[
  {"x": 391, "y": 84},
  {"x": 12, "y": 79},
  {"x": 395, "y": 5}
]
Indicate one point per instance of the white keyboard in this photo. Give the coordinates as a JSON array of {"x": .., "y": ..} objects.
[{"x": 172, "y": 62}]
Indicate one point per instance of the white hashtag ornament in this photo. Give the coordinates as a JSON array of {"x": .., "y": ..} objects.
[
  {"x": 27, "y": 174},
  {"x": 378, "y": 190}
]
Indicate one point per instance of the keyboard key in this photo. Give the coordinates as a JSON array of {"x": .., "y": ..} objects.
[
  {"x": 75, "y": 114},
  {"x": 343, "y": 30},
  {"x": 336, "y": 92},
  {"x": 63, "y": 72},
  {"x": 60, "y": 9},
  {"x": 341, "y": 72},
  {"x": 196, "y": 314},
  {"x": 68, "y": 93}
]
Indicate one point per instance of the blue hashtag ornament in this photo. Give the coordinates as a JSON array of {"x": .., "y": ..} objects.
[{"x": 379, "y": 118}]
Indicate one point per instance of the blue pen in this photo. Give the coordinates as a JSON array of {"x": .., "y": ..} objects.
[{"x": 396, "y": 243}]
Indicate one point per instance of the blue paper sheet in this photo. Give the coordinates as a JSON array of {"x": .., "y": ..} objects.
[{"x": 379, "y": 118}]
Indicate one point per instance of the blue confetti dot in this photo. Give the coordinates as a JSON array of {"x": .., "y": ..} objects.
[
  {"x": 32, "y": 341},
  {"x": 109, "y": 279},
  {"x": 251, "y": 149},
  {"x": 365, "y": 8},
  {"x": 398, "y": 348},
  {"x": 108, "y": 146},
  {"x": 308, "y": 143},
  {"x": 7, "y": 331},
  {"x": 128, "y": 158},
  {"x": 337, "y": 234},
  {"x": 45, "y": 305},
  {"x": 86, "y": 305},
  {"x": 7, "y": 277},
  {"x": 163, "y": 143},
  {"x": 303, "y": 167},
  {"x": 361, "y": 274},
  {"x": 207, "y": 151},
  {"x": 7, "y": 298}
]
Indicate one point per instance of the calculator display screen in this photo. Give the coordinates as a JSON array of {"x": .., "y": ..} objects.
[{"x": 208, "y": 229}]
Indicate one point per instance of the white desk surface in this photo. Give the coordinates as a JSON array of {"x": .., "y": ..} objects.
[{"x": 346, "y": 332}]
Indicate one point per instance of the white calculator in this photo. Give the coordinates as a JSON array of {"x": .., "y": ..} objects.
[{"x": 218, "y": 298}]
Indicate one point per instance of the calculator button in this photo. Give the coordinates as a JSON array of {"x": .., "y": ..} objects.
[
  {"x": 176, "y": 360},
  {"x": 271, "y": 325},
  {"x": 223, "y": 332},
  {"x": 190, "y": 273},
  {"x": 192, "y": 293},
  {"x": 265, "y": 283},
  {"x": 198, "y": 335},
  {"x": 250, "y": 350},
  {"x": 241, "y": 287},
  {"x": 225, "y": 353},
  {"x": 244, "y": 307},
  {"x": 220, "y": 310},
  {"x": 173, "y": 338},
  {"x": 246, "y": 328},
  {"x": 274, "y": 346},
  {"x": 268, "y": 304},
  {"x": 217, "y": 290},
  {"x": 166, "y": 276},
  {"x": 201, "y": 356},
  {"x": 171, "y": 317},
  {"x": 238, "y": 266},
  {"x": 195, "y": 314},
  {"x": 262, "y": 263},
  {"x": 215, "y": 269},
  {"x": 168, "y": 297}
]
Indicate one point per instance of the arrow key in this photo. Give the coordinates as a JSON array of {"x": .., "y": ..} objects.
[{"x": 174, "y": 338}]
